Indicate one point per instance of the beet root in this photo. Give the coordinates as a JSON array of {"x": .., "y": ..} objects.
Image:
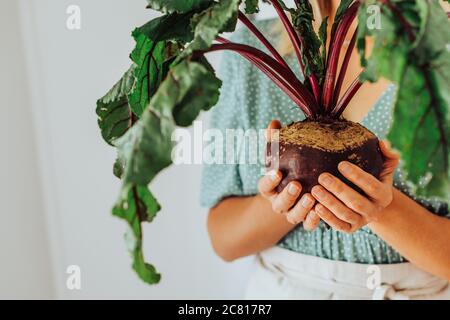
[{"x": 309, "y": 148}]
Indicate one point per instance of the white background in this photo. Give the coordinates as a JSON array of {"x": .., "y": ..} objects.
[{"x": 57, "y": 187}]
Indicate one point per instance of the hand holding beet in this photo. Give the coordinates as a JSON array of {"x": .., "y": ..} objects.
[
  {"x": 347, "y": 210},
  {"x": 287, "y": 202}
]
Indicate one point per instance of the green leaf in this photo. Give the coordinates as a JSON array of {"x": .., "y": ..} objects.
[
  {"x": 251, "y": 6},
  {"x": 343, "y": 6},
  {"x": 220, "y": 17},
  {"x": 135, "y": 206},
  {"x": 149, "y": 57},
  {"x": 113, "y": 110},
  {"x": 421, "y": 69},
  {"x": 156, "y": 42},
  {"x": 421, "y": 130},
  {"x": 362, "y": 33},
  {"x": 173, "y": 27},
  {"x": 202, "y": 96},
  {"x": 384, "y": 61},
  {"x": 146, "y": 148},
  {"x": 323, "y": 34},
  {"x": 391, "y": 34},
  {"x": 118, "y": 168},
  {"x": 180, "y": 6},
  {"x": 302, "y": 20}
]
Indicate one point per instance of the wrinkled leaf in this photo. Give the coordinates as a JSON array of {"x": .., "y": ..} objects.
[
  {"x": 173, "y": 27},
  {"x": 156, "y": 43},
  {"x": 113, "y": 110},
  {"x": 421, "y": 127},
  {"x": 302, "y": 20},
  {"x": 421, "y": 69},
  {"x": 135, "y": 206},
  {"x": 220, "y": 17},
  {"x": 201, "y": 96},
  {"x": 146, "y": 148},
  {"x": 149, "y": 57}
]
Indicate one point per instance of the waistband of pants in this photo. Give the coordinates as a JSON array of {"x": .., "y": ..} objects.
[{"x": 400, "y": 281}]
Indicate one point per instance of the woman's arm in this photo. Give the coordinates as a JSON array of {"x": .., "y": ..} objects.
[
  {"x": 241, "y": 226},
  {"x": 420, "y": 236}
]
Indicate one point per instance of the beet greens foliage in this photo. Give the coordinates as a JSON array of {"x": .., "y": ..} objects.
[{"x": 170, "y": 82}]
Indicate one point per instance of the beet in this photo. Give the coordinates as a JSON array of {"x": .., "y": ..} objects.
[{"x": 309, "y": 148}]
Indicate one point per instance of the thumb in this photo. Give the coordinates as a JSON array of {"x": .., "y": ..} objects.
[{"x": 273, "y": 125}]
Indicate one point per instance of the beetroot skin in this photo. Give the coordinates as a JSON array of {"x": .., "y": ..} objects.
[{"x": 309, "y": 148}]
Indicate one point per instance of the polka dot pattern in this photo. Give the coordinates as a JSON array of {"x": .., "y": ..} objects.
[{"x": 249, "y": 100}]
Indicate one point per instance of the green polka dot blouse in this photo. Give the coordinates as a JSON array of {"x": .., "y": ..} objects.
[{"x": 249, "y": 100}]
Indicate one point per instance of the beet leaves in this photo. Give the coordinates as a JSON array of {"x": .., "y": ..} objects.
[{"x": 170, "y": 82}]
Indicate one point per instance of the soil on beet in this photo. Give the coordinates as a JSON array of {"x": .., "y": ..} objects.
[{"x": 309, "y": 148}]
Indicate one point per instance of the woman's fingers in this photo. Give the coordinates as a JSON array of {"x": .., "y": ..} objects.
[
  {"x": 286, "y": 199},
  {"x": 268, "y": 183},
  {"x": 373, "y": 187},
  {"x": 327, "y": 216},
  {"x": 311, "y": 221},
  {"x": 299, "y": 212},
  {"x": 335, "y": 206},
  {"x": 347, "y": 195}
]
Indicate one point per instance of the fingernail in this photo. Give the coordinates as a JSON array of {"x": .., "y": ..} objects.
[
  {"x": 306, "y": 202},
  {"x": 311, "y": 216},
  {"x": 318, "y": 192},
  {"x": 345, "y": 167},
  {"x": 293, "y": 189},
  {"x": 326, "y": 179}
]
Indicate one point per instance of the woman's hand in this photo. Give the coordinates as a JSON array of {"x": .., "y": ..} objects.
[
  {"x": 283, "y": 203},
  {"x": 343, "y": 208}
]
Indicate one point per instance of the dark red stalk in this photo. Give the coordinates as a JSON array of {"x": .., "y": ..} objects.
[
  {"x": 283, "y": 85},
  {"x": 290, "y": 30},
  {"x": 335, "y": 49},
  {"x": 296, "y": 42},
  {"x": 346, "y": 98},
  {"x": 272, "y": 63},
  {"x": 344, "y": 67},
  {"x": 260, "y": 36},
  {"x": 276, "y": 72}
]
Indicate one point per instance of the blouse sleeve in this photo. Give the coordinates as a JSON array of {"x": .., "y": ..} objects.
[{"x": 220, "y": 180}]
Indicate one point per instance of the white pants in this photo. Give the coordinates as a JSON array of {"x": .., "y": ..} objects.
[{"x": 284, "y": 274}]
